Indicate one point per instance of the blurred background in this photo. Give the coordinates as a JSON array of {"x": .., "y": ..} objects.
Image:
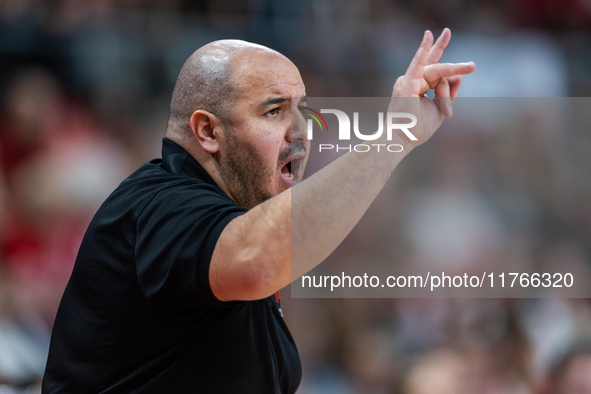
[{"x": 84, "y": 94}]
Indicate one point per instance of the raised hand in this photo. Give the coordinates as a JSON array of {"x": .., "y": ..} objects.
[{"x": 425, "y": 73}]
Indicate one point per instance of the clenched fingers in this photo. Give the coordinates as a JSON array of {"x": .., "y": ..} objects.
[
  {"x": 454, "y": 85},
  {"x": 442, "y": 97}
]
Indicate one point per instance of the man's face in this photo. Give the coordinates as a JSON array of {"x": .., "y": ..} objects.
[{"x": 264, "y": 151}]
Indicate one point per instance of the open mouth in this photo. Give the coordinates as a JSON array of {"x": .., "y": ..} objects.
[
  {"x": 290, "y": 177},
  {"x": 287, "y": 173},
  {"x": 292, "y": 171}
]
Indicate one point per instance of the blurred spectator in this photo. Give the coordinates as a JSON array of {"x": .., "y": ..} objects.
[
  {"x": 22, "y": 355},
  {"x": 442, "y": 371},
  {"x": 572, "y": 375}
]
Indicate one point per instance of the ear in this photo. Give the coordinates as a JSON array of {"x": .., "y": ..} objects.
[{"x": 206, "y": 128}]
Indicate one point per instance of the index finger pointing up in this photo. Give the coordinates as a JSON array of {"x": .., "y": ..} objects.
[{"x": 418, "y": 62}]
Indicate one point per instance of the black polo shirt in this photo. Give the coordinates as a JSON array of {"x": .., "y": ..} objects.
[{"x": 138, "y": 314}]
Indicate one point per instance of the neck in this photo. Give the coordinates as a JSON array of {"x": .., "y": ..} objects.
[{"x": 205, "y": 159}]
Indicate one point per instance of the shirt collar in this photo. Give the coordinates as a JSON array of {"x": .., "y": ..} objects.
[{"x": 178, "y": 161}]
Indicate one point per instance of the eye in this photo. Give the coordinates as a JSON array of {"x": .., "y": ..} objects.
[{"x": 273, "y": 112}]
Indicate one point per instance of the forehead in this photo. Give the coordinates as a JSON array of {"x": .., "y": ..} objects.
[{"x": 260, "y": 74}]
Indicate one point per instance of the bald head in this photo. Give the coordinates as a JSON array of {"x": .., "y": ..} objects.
[
  {"x": 231, "y": 111},
  {"x": 208, "y": 81}
]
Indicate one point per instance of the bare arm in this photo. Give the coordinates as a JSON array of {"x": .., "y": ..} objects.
[{"x": 253, "y": 257}]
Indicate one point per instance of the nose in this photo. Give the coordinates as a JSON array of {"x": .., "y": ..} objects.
[{"x": 298, "y": 130}]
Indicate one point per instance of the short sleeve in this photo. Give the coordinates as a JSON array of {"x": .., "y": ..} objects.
[{"x": 176, "y": 234}]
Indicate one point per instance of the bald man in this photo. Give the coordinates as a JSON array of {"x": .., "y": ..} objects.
[{"x": 175, "y": 285}]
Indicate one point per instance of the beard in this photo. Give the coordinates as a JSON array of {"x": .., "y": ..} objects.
[{"x": 245, "y": 173}]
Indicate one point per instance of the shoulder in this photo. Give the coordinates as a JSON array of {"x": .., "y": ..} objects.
[
  {"x": 185, "y": 192},
  {"x": 188, "y": 200}
]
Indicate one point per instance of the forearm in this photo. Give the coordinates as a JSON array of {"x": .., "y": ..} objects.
[{"x": 326, "y": 207}]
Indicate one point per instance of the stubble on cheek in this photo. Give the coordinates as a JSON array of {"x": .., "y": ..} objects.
[{"x": 245, "y": 173}]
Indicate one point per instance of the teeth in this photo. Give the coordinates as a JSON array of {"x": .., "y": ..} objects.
[{"x": 290, "y": 177}]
